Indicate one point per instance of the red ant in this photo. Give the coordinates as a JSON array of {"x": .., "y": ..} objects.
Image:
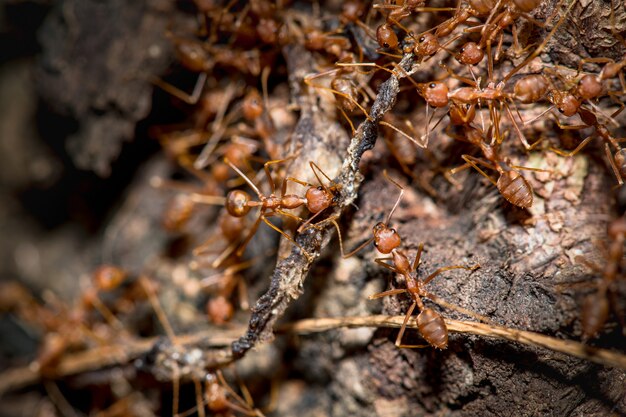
[
  {"x": 429, "y": 322},
  {"x": 511, "y": 184},
  {"x": 595, "y": 309},
  {"x": 317, "y": 199},
  {"x": 616, "y": 160}
]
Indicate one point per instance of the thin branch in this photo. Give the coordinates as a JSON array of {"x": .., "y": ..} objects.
[
  {"x": 568, "y": 347},
  {"x": 289, "y": 275}
]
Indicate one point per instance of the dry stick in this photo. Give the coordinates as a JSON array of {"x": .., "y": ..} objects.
[
  {"x": 568, "y": 347},
  {"x": 289, "y": 274},
  {"x": 105, "y": 356},
  {"x": 101, "y": 357}
]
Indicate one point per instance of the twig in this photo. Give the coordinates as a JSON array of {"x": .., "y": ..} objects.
[
  {"x": 289, "y": 275},
  {"x": 101, "y": 357},
  {"x": 568, "y": 347}
]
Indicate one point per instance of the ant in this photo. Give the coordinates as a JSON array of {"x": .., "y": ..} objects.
[
  {"x": 591, "y": 87},
  {"x": 595, "y": 308},
  {"x": 429, "y": 322},
  {"x": 616, "y": 160},
  {"x": 317, "y": 199},
  {"x": 511, "y": 184}
]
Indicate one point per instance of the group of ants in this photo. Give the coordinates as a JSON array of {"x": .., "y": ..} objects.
[{"x": 231, "y": 135}]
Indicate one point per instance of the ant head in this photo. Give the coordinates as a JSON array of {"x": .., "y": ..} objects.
[
  {"x": 568, "y": 105},
  {"x": 427, "y": 45},
  {"x": 352, "y": 10},
  {"x": 109, "y": 277},
  {"x": 386, "y": 239},
  {"x": 435, "y": 93},
  {"x": 470, "y": 54},
  {"x": 192, "y": 55},
  {"x": 252, "y": 105},
  {"x": 237, "y": 203},
  {"x": 219, "y": 310},
  {"x": 589, "y": 87},
  {"x": 317, "y": 199},
  {"x": 386, "y": 36}
]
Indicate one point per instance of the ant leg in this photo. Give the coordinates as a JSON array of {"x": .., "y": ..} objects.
[
  {"x": 580, "y": 146},
  {"x": 396, "y": 154},
  {"x": 465, "y": 80},
  {"x": 418, "y": 256},
  {"x": 593, "y": 61},
  {"x": 244, "y": 176},
  {"x": 286, "y": 236},
  {"x": 345, "y": 116},
  {"x": 473, "y": 162},
  {"x": 415, "y": 141},
  {"x": 393, "y": 209},
  {"x": 149, "y": 289},
  {"x": 250, "y": 235},
  {"x": 315, "y": 167},
  {"x": 387, "y": 293},
  {"x": 609, "y": 156},
  {"x": 521, "y": 136},
  {"x": 305, "y": 225},
  {"x": 403, "y": 328},
  {"x": 199, "y": 400},
  {"x": 289, "y": 215},
  {"x": 359, "y": 248},
  {"x": 266, "y": 167},
  {"x": 381, "y": 262},
  {"x": 543, "y": 44},
  {"x": 339, "y": 93},
  {"x": 448, "y": 268},
  {"x": 489, "y": 63},
  {"x": 180, "y": 94}
]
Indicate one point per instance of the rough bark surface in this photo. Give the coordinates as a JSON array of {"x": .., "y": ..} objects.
[{"x": 94, "y": 69}]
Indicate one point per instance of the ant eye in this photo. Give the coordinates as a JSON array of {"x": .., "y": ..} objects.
[
  {"x": 422, "y": 39},
  {"x": 462, "y": 49},
  {"x": 432, "y": 85},
  {"x": 561, "y": 110}
]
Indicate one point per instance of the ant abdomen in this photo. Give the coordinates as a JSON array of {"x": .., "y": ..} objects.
[
  {"x": 527, "y": 5},
  {"x": 346, "y": 86},
  {"x": 433, "y": 328},
  {"x": 483, "y": 6},
  {"x": 531, "y": 88},
  {"x": 237, "y": 203},
  {"x": 515, "y": 189}
]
